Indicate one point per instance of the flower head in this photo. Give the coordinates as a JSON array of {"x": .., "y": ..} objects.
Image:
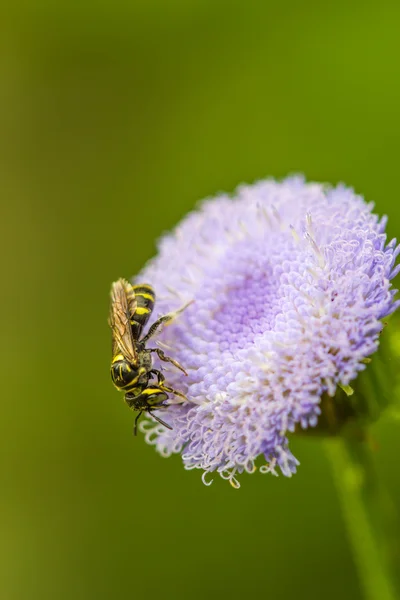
[{"x": 290, "y": 282}]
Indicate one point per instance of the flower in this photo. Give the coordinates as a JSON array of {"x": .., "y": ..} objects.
[{"x": 290, "y": 282}]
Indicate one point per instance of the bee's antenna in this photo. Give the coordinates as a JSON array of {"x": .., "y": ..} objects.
[{"x": 159, "y": 420}]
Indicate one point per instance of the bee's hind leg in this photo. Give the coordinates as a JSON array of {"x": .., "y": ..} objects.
[
  {"x": 155, "y": 326},
  {"x": 165, "y": 319}
]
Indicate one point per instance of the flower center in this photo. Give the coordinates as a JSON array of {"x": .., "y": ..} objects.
[{"x": 245, "y": 310}]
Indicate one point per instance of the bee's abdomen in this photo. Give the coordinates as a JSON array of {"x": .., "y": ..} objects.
[
  {"x": 124, "y": 375},
  {"x": 145, "y": 299}
]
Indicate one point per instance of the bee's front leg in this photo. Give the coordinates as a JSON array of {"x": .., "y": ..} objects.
[
  {"x": 170, "y": 390},
  {"x": 163, "y": 387},
  {"x": 136, "y": 422},
  {"x": 158, "y": 374}
]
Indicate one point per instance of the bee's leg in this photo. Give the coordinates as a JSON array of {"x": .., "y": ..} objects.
[
  {"x": 161, "y": 320},
  {"x": 164, "y": 358},
  {"x": 155, "y": 326},
  {"x": 165, "y": 388},
  {"x": 170, "y": 390},
  {"x": 158, "y": 374},
  {"x": 136, "y": 422}
]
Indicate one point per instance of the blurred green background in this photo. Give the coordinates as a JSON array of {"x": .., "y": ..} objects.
[{"x": 115, "y": 119}]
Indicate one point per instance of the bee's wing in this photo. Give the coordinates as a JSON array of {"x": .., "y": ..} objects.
[{"x": 123, "y": 306}]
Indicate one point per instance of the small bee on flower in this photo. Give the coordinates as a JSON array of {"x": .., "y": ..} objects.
[{"x": 132, "y": 369}]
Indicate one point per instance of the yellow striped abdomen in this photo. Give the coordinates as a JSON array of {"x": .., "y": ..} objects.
[{"x": 145, "y": 298}]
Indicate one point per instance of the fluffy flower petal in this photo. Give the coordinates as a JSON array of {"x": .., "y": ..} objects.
[{"x": 290, "y": 282}]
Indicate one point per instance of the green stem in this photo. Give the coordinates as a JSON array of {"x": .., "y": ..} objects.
[{"x": 368, "y": 515}]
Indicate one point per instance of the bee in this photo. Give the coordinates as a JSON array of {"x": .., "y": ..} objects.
[{"x": 132, "y": 365}]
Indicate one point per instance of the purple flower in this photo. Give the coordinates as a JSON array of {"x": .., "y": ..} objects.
[{"x": 290, "y": 282}]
